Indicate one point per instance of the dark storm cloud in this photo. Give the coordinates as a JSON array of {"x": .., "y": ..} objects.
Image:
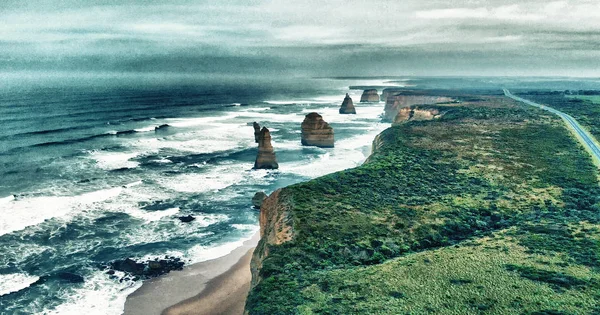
[{"x": 308, "y": 37}]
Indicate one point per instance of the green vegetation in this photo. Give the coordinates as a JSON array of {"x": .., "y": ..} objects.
[
  {"x": 584, "y": 108},
  {"x": 491, "y": 209},
  {"x": 592, "y": 98}
]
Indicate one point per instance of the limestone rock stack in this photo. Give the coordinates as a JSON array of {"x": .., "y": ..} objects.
[
  {"x": 369, "y": 96},
  {"x": 256, "y": 131},
  {"x": 347, "y": 106},
  {"x": 266, "y": 156},
  {"x": 316, "y": 131}
]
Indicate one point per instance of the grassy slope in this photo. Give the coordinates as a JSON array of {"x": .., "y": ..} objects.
[
  {"x": 491, "y": 209},
  {"x": 585, "y": 109}
]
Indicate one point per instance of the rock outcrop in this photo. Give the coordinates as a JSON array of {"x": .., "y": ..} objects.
[
  {"x": 187, "y": 219},
  {"x": 316, "y": 131},
  {"x": 405, "y": 99},
  {"x": 256, "y": 131},
  {"x": 347, "y": 106},
  {"x": 266, "y": 156},
  {"x": 258, "y": 199},
  {"x": 276, "y": 228},
  {"x": 407, "y": 114},
  {"x": 369, "y": 96}
]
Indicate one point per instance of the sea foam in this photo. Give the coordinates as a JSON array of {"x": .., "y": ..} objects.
[
  {"x": 15, "y": 282},
  {"x": 29, "y": 211}
]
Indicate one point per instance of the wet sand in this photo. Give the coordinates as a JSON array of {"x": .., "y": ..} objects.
[{"x": 217, "y": 286}]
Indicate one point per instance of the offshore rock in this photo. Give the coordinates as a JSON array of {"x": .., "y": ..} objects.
[
  {"x": 187, "y": 219},
  {"x": 347, "y": 106},
  {"x": 316, "y": 131},
  {"x": 369, "y": 96},
  {"x": 256, "y": 131},
  {"x": 258, "y": 199},
  {"x": 266, "y": 156}
]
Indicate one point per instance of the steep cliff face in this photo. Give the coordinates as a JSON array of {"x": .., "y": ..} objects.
[
  {"x": 395, "y": 102},
  {"x": 407, "y": 114},
  {"x": 369, "y": 96},
  {"x": 276, "y": 228},
  {"x": 347, "y": 106},
  {"x": 317, "y": 132},
  {"x": 266, "y": 156}
]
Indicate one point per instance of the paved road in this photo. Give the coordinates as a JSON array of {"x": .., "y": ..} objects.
[{"x": 584, "y": 137}]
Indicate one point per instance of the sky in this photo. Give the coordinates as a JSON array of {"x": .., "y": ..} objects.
[{"x": 301, "y": 38}]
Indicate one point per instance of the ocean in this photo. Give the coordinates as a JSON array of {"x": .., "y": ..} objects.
[{"x": 87, "y": 178}]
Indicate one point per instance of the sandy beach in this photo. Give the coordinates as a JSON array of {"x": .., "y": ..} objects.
[{"x": 217, "y": 286}]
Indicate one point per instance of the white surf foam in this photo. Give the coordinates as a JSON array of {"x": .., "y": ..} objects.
[
  {"x": 154, "y": 231},
  {"x": 99, "y": 295},
  {"x": 216, "y": 178},
  {"x": 151, "y": 216},
  {"x": 139, "y": 182},
  {"x": 201, "y": 253},
  {"x": 114, "y": 160},
  {"x": 198, "y": 121},
  {"x": 7, "y": 199},
  {"x": 25, "y": 212},
  {"x": 146, "y": 129},
  {"x": 15, "y": 282},
  {"x": 210, "y": 138}
]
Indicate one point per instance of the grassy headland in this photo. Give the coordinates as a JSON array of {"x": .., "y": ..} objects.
[{"x": 493, "y": 208}]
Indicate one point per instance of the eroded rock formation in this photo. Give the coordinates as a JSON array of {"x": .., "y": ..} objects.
[
  {"x": 256, "y": 131},
  {"x": 407, "y": 114},
  {"x": 258, "y": 199},
  {"x": 369, "y": 96},
  {"x": 266, "y": 156},
  {"x": 316, "y": 131},
  {"x": 395, "y": 102},
  {"x": 347, "y": 106}
]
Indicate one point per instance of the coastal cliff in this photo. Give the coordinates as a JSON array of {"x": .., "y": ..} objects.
[
  {"x": 435, "y": 203},
  {"x": 415, "y": 113},
  {"x": 395, "y": 102},
  {"x": 276, "y": 228}
]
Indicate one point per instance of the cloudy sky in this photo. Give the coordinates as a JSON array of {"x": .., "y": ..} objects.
[{"x": 304, "y": 37}]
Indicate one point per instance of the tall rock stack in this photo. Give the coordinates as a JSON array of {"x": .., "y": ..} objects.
[
  {"x": 256, "y": 131},
  {"x": 266, "y": 156},
  {"x": 316, "y": 131},
  {"x": 347, "y": 106},
  {"x": 369, "y": 96}
]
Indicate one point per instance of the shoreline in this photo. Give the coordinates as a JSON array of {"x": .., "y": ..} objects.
[{"x": 214, "y": 286}]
